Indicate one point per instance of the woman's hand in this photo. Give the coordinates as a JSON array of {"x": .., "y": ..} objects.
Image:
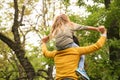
[
  {"x": 101, "y": 29},
  {"x": 45, "y": 39}
]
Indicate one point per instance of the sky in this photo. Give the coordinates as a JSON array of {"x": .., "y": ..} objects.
[{"x": 32, "y": 37}]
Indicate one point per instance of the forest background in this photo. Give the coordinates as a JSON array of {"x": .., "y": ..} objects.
[{"x": 24, "y": 22}]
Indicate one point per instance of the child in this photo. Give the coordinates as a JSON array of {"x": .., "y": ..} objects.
[{"x": 62, "y": 31}]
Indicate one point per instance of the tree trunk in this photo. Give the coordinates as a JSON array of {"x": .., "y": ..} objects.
[
  {"x": 50, "y": 70},
  {"x": 16, "y": 45},
  {"x": 20, "y": 53},
  {"x": 113, "y": 34},
  {"x": 107, "y": 3}
]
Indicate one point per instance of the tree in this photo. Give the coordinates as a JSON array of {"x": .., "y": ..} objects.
[
  {"x": 108, "y": 16},
  {"x": 25, "y": 68},
  {"x": 113, "y": 25},
  {"x": 16, "y": 45}
]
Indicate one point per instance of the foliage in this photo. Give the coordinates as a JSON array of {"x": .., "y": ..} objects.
[
  {"x": 113, "y": 13},
  {"x": 76, "y": 19},
  {"x": 113, "y": 24},
  {"x": 66, "y": 2},
  {"x": 109, "y": 68},
  {"x": 80, "y": 3},
  {"x": 99, "y": 63},
  {"x": 8, "y": 69},
  {"x": 97, "y": 16}
]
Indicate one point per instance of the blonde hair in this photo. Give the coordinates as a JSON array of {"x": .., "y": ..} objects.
[{"x": 59, "y": 23}]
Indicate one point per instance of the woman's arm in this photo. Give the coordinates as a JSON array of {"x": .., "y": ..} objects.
[
  {"x": 45, "y": 51},
  {"x": 96, "y": 46}
]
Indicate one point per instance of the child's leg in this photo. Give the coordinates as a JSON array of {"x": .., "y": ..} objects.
[
  {"x": 81, "y": 62},
  {"x": 81, "y": 69}
]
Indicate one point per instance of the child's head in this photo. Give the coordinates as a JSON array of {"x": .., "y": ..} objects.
[
  {"x": 60, "y": 20},
  {"x": 59, "y": 23},
  {"x": 63, "y": 18}
]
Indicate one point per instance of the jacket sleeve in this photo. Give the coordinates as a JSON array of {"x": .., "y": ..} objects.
[
  {"x": 79, "y": 27},
  {"x": 47, "y": 53},
  {"x": 93, "y": 47}
]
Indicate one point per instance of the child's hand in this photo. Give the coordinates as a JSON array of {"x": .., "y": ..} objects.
[{"x": 45, "y": 39}]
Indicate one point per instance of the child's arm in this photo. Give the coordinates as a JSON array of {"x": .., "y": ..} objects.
[
  {"x": 92, "y": 28},
  {"x": 95, "y": 28},
  {"x": 82, "y": 27}
]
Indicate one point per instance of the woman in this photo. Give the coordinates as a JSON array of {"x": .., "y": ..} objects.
[
  {"x": 62, "y": 30},
  {"x": 67, "y": 60}
]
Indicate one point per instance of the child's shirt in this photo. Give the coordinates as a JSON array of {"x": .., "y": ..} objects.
[{"x": 64, "y": 37}]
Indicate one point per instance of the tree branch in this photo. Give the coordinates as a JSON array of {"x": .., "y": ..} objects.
[
  {"x": 107, "y": 3},
  {"x": 16, "y": 24},
  {"x": 22, "y": 14},
  {"x": 39, "y": 73},
  {"x": 7, "y": 40}
]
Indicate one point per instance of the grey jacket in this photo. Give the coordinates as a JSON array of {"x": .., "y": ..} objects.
[{"x": 64, "y": 37}]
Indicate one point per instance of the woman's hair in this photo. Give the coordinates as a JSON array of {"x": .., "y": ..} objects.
[{"x": 59, "y": 23}]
